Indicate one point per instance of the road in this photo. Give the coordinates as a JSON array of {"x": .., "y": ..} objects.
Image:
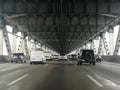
[{"x": 60, "y": 75}]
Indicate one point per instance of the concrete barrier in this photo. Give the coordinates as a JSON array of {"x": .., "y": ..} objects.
[
  {"x": 4, "y": 58},
  {"x": 115, "y": 59}
]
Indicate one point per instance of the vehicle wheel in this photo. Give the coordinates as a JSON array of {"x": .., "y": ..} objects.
[
  {"x": 11, "y": 61},
  {"x": 94, "y": 63},
  {"x": 22, "y": 61},
  {"x": 90, "y": 62},
  {"x": 25, "y": 61},
  {"x": 80, "y": 62},
  {"x": 30, "y": 62}
]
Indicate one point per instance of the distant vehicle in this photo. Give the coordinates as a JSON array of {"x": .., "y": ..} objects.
[
  {"x": 54, "y": 57},
  {"x": 48, "y": 55},
  {"x": 98, "y": 58},
  {"x": 37, "y": 57},
  {"x": 62, "y": 57},
  {"x": 18, "y": 57},
  {"x": 74, "y": 57},
  {"x": 87, "y": 56}
]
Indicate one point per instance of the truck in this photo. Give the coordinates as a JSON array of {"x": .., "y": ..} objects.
[{"x": 37, "y": 57}]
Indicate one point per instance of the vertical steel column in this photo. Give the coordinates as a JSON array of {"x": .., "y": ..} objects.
[
  {"x": 1, "y": 42},
  {"x": 29, "y": 45},
  {"x": 105, "y": 44},
  {"x": 111, "y": 40},
  {"x": 7, "y": 42},
  {"x": 5, "y": 35},
  {"x": 14, "y": 44},
  {"x": 100, "y": 47},
  {"x": 117, "y": 45},
  {"x": 25, "y": 44},
  {"x": 91, "y": 44},
  {"x": 15, "y": 30},
  {"x": 20, "y": 45}
]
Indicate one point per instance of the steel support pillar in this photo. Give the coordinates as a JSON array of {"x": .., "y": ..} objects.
[
  {"x": 105, "y": 44},
  {"x": 5, "y": 35},
  {"x": 117, "y": 45},
  {"x": 100, "y": 47},
  {"x": 1, "y": 42},
  {"x": 25, "y": 44},
  {"x": 20, "y": 45},
  {"x": 111, "y": 40},
  {"x": 15, "y": 30}
]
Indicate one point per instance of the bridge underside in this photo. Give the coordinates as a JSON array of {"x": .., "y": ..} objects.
[{"x": 62, "y": 25}]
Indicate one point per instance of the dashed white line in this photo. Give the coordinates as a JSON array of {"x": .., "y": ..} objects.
[
  {"x": 95, "y": 81},
  {"x": 15, "y": 81},
  {"x": 9, "y": 68},
  {"x": 46, "y": 65}
]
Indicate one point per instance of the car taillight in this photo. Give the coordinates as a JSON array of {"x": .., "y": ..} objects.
[{"x": 21, "y": 56}]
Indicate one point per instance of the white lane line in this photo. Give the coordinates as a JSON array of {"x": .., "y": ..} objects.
[
  {"x": 15, "y": 81},
  {"x": 46, "y": 65},
  {"x": 73, "y": 63},
  {"x": 95, "y": 81},
  {"x": 107, "y": 82},
  {"x": 6, "y": 69},
  {"x": 52, "y": 61}
]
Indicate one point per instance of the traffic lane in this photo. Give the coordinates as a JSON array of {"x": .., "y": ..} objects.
[
  {"x": 108, "y": 70},
  {"x": 58, "y": 76},
  {"x": 11, "y": 67},
  {"x": 106, "y": 73},
  {"x": 12, "y": 76}
]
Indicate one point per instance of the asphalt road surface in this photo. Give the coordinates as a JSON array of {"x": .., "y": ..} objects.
[{"x": 60, "y": 75}]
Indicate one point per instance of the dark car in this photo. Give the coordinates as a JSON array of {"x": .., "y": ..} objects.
[
  {"x": 87, "y": 56},
  {"x": 18, "y": 57},
  {"x": 98, "y": 58}
]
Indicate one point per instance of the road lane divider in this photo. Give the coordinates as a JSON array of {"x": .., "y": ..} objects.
[
  {"x": 17, "y": 80},
  {"x": 95, "y": 81},
  {"x": 73, "y": 63},
  {"x": 107, "y": 82},
  {"x": 9, "y": 68},
  {"x": 46, "y": 65}
]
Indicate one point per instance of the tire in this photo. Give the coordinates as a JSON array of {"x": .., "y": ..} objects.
[
  {"x": 30, "y": 62},
  {"x": 93, "y": 63},
  {"x": 11, "y": 61},
  {"x": 80, "y": 62}
]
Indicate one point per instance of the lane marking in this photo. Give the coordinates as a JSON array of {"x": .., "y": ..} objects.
[
  {"x": 52, "y": 61},
  {"x": 46, "y": 65},
  {"x": 15, "y": 81},
  {"x": 107, "y": 82},
  {"x": 75, "y": 65},
  {"x": 95, "y": 81},
  {"x": 9, "y": 68}
]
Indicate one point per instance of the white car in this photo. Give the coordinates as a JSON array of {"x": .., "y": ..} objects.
[
  {"x": 61, "y": 57},
  {"x": 37, "y": 57}
]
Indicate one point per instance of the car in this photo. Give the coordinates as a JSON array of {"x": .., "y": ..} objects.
[
  {"x": 62, "y": 57},
  {"x": 98, "y": 58},
  {"x": 87, "y": 56},
  {"x": 18, "y": 57}
]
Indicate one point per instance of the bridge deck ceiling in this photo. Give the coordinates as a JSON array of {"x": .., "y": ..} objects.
[{"x": 61, "y": 24}]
